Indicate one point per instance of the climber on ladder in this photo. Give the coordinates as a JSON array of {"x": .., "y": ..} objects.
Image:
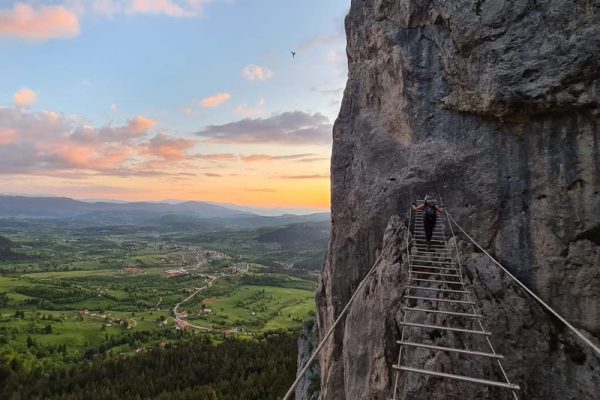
[{"x": 430, "y": 210}]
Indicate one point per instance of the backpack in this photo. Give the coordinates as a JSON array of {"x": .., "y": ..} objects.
[{"x": 430, "y": 213}]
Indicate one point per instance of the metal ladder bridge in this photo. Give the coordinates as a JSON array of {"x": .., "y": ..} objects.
[{"x": 436, "y": 290}]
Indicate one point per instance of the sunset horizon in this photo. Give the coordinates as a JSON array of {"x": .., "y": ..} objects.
[{"x": 152, "y": 100}]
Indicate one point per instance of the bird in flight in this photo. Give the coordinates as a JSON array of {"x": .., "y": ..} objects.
[{"x": 293, "y": 54}]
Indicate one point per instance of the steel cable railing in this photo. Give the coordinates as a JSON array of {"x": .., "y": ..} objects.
[
  {"x": 529, "y": 291},
  {"x": 338, "y": 319}
]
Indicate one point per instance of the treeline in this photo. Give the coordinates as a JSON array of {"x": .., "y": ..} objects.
[{"x": 256, "y": 369}]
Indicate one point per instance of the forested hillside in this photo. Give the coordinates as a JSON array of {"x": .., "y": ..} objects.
[{"x": 252, "y": 369}]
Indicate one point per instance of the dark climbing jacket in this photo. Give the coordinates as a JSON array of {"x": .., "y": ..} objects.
[{"x": 430, "y": 213}]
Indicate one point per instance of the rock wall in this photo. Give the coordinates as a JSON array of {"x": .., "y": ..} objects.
[
  {"x": 308, "y": 387},
  {"x": 545, "y": 359},
  {"x": 492, "y": 105}
]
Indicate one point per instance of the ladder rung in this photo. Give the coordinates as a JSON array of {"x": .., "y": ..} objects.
[
  {"x": 459, "y": 377},
  {"x": 438, "y": 268},
  {"x": 431, "y": 243},
  {"x": 432, "y": 255},
  {"x": 434, "y": 273},
  {"x": 468, "y": 315},
  {"x": 452, "y": 349},
  {"x": 435, "y": 235},
  {"x": 436, "y": 281},
  {"x": 438, "y": 290},
  {"x": 422, "y": 259},
  {"x": 446, "y": 328},
  {"x": 435, "y": 299},
  {"x": 436, "y": 257}
]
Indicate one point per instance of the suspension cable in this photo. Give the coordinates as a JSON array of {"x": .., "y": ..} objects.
[
  {"x": 338, "y": 319},
  {"x": 556, "y": 314}
]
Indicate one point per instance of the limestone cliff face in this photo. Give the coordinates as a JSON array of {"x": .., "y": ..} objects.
[{"x": 493, "y": 104}]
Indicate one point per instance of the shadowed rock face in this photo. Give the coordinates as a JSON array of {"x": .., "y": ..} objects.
[{"x": 492, "y": 105}]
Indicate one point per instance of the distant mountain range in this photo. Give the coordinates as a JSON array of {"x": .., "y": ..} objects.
[
  {"x": 190, "y": 213},
  {"x": 22, "y": 206}
]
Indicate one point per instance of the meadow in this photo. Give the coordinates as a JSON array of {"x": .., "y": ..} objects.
[{"x": 70, "y": 293}]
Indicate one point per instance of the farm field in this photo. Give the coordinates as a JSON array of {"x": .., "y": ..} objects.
[{"x": 67, "y": 295}]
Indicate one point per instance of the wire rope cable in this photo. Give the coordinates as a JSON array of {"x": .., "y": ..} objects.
[
  {"x": 338, "y": 319},
  {"x": 529, "y": 291}
]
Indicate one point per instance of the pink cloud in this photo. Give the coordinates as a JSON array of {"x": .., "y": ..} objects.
[
  {"x": 218, "y": 157},
  {"x": 166, "y": 7},
  {"x": 171, "y": 8},
  {"x": 7, "y": 136},
  {"x": 256, "y": 72},
  {"x": 67, "y": 155},
  {"x": 268, "y": 157},
  {"x": 38, "y": 23},
  {"x": 49, "y": 143},
  {"x": 25, "y": 97},
  {"x": 168, "y": 148},
  {"x": 216, "y": 100},
  {"x": 140, "y": 125}
]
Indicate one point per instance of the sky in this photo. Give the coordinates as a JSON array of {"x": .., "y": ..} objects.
[{"x": 171, "y": 99}]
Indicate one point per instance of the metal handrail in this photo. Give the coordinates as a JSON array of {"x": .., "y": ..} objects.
[
  {"x": 529, "y": 291},
  {"x": 489, "y": 342},
  {"x": 408, "y": 292},
  {"x": 337, "y": 321}
]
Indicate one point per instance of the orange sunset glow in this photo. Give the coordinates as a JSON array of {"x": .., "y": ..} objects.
[{"x": 145, "y": 101}]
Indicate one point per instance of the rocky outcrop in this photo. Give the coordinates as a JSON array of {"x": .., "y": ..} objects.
[
  {"x": 492, "y": 105},
  {"x": 308, "y": 387}
]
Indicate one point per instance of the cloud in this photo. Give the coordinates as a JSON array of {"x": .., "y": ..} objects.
[
  {"x": 216, "y": 100},
  {"x": 166, "y": 7},
  {"x": 7, "y": 136},
  {"x": 107, "y": 7},
  {"x": 25, "y": 97},
  {"x": 249, "y": 111},
  {"x": 136, "y": 127},
  {"x": 218, "y": 157},
  {"x": 140, "y": 125},
  {"x": 170, "y": 8},
  {"x": 294, "y": 127},
  {"x": 48, "y": 143},
  {"x": 169, "y": 148},
  {"x": 256, "y": 73},
  {"x": 267, "y": 157},
  {"x": 38, "y": 23},
  {"x": 313, "y": 159},
  {"x": 212, "y": 175},
  {"x": 316, "y": 176}
]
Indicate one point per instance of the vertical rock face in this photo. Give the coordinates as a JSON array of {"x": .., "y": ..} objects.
[
  {"x": 308, "y": 387},
  {"x": 494, "y": 106}
]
